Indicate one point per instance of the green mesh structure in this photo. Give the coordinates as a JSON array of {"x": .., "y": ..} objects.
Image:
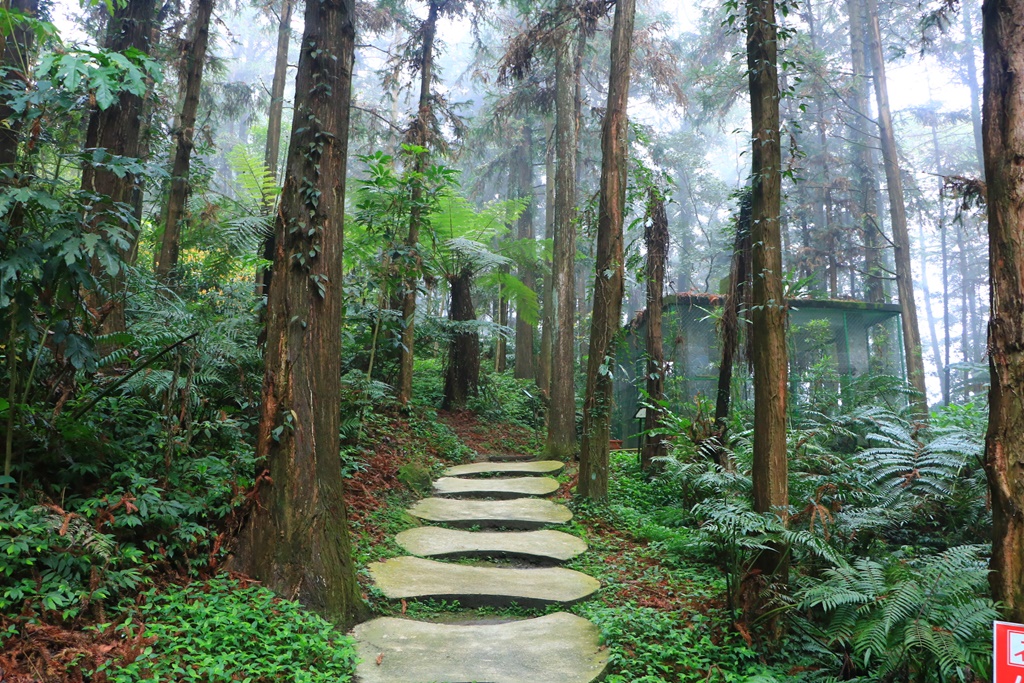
[{"x": 830, "y": 340}]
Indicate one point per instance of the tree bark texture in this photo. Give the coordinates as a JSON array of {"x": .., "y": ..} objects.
[
  {"x": 1004, "y": 170},
  {"x": 462, "y": 370},
  {"x": 561, "y": 437},
  {"x": 417, "y": 136},
  {"x": 525, "y": 331},
  {"x": 195, "y": 57},
  {"x": 768, "y": 317},
  {"x": 610, "y": 264},
  {"x": 272, "y": 150},
  {"x": 898, "y": 217},
  {"x": 500, "y": 347},
  {"x": 656, "y": 239},
  {"x": 296, "y": 538}
]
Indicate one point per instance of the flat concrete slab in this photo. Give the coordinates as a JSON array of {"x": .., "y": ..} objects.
[
  {"x": 432, "y": 541},
  {"x": 514, "y": 487},
  {"x": 519, "y": 513},
  {"x": 536, "y": 467},
  {"x": 556, "y": 648},
  {"x": 415, "y": 578}
]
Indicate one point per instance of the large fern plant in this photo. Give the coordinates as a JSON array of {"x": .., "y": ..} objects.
[{"x": 915, "y": 620}]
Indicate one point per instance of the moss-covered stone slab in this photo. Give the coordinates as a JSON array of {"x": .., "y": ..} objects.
[
  {"x": 510, "y": 457},
  {"x": 412, "y": 578},
  {"x": 545, "y": 545},
  {"x": 556, "y": 648},
  {"x": 514, "y": 487},
  {"x": 475, "y": 468},
  {"x": 519, "y": 513}
]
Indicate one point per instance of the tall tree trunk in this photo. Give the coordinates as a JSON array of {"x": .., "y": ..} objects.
[
  {"x": 1004, "y": 442},
  {"x": 500, "y": 348},
  {"x": 966, "y": 298},
  {"x": 736, "y": 301},
  {"x": 898, "y": 218},
  {"x": 195, "y": 56},
  {"x": 863, "y": 157},
  {"x": 116, "y": 130},
  {"x": 610, "y": 263},
  {"x": 462, "y": 370},
  {"x": 561, "y": 437},
  {"x": 272, "y": 150},
  {"x": 296, "y": 539},
  {"x": 17, "y": 49},
  {"x": 940, "y": 363},
  {"x": 525, "y": 330},
  {"x": 547, "y": 282},
  {"x": 967, "y": 9},
  {"x": 768, "y": 317},
  {"x": 656, "y": 241},
  {"x": 418, "y": 136}
]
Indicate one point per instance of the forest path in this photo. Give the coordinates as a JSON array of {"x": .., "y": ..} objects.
[{"x": 555, "y": 648}]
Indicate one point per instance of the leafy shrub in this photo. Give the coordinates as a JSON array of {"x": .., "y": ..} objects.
[{"x": 218, "y": 630}]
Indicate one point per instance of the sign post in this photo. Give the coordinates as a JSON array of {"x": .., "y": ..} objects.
[{"x": 1008, "y": 652}]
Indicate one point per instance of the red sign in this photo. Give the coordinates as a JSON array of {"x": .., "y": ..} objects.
[{"x": 1008, "y": 652}]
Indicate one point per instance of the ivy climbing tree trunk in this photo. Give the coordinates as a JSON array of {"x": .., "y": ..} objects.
[
  {"x": 897, "y": 216},
  {"x": 116, "y": 130},
  {"x": 1003, "y": 133},
  {"x": 296, "y": 538},
  {"x": 768, "y": 317},
  {"x": 272, "y": 150},
  {"x": 462, "y": 369},
  {"x": 418, "y": 135},
  {"x": 608, "y": 280},
  {"x": 525, "y": 330},
  {"x": 656, "y": 241},
  {"x": 195, "y": 56},
  {"x": 561, "y": 437}
]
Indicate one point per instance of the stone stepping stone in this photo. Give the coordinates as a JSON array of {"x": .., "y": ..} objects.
[
  {"x": 537, "y": 467},
  {"x": 495, "y": 488},
  {"x": 416, "y": 578},
  {"x": 432, "y": 541},
  {"x": 519, "y": 513},
  {"x": 556, "y": 648}
]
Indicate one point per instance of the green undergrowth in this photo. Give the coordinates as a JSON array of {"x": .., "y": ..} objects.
[{"x": 220, "y": 630}]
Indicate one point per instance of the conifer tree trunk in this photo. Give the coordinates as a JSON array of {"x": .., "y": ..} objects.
[
  {"x": 117, "y": 130},
  {"x": 547, "y": 283},
  {"x": 967, "y": 9},
  {"x": 863, "y": 161},
  {"x": 898, "y": 217},
  {"x": 272, "y": 150},
  {"x": 768, "y": 317},
  {"x": 167, "y": 259},
  {"x": 500, "y": 347},
  {"x": 17, "y": 49},
  {"x": 656, "y": 241},
  {"x": 1004, "y": 443},
  {"x": 417, "y": 136},
  {"x": 736, "y": 300},
  {"x": 462, "y": 369},
  {"x": 610, "y": 265},
  {"x": 525, "y": 331},
  {"x": 561, "y": 437},
  {"x": 296, "y": 538}
]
